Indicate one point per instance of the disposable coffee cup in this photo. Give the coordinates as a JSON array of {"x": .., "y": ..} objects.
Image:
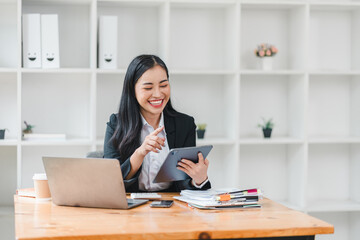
[{"x": 42, "y": 191}]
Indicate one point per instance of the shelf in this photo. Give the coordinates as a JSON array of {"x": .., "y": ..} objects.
[
  {"x": 8, "y": 34},
  {"x": 214, "y": 141},
  {"x": 59, "y": 2},
  {"x": 64, "y": 99},
  {"x": 57, "y": 70},
  {"x": 286, "y": 110},
  {"x": 272, "y": 72},
  {"x": 272, "y": 140},
  {"x": 334, "y": 26},
  {"x": 333, "y": 140},
  {"x": 67, "y": 142},
  {"x": 282, "y": 25},
  {"x": 141, "y": 23},
  {"x": 213, "y": 24},
  {"x": 282, "y": 165},
  {"x": 334, "y": 5},
  {"x": 209, "y": 101},
  {"x": 334, "y": 73},
  {"x": 8, "y": 142},
  {"x": 340, "y": 180},
  {"x": 334, "y": 116},
  {"x": 110, "y": 71},
  {"x": 8, "y": 70},
  {"x": 75, "y": 30},
  {"x": 325, "y": 205},
  {"x": 346, "y": 224},
  {"x": 201, "y": 72}
]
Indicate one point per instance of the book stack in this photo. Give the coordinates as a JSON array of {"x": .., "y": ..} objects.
[{"x": 221, "y": 199}]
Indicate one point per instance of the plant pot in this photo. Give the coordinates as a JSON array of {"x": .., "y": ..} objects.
[
  {"x": 266, "y": 63},
  {"x": 267, "y": 132},
  {"x": 200, "y": 133},
  {"x": 2, "y": 133}
]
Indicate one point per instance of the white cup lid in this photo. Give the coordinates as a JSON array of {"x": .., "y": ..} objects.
[{"x": 39, "y": 176}]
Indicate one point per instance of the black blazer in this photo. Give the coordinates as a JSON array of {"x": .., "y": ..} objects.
[{"x": 180, "y": 132}]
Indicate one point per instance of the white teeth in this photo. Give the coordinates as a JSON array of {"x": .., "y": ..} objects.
[{"x": 156, "y": 102}]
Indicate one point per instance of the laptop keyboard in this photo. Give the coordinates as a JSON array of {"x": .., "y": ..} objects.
[{"x": 132, "y": 202}]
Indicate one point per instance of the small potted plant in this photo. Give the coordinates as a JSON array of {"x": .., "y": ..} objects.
[
  {"x": 28, "y": 128},
  {"x": 2, "y": 133},
  {"x": 265, "y": 52},
  {"x": 267, "y": 127},
  {"x": 201, "y": 130}
]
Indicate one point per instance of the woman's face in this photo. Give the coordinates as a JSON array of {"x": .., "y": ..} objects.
[{"x": 152, "y": 91}]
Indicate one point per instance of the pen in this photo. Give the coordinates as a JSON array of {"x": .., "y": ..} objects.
[{"x": 237, "y": 194}]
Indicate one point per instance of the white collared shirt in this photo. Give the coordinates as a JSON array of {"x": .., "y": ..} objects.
[{"x": 153, "y": 161}]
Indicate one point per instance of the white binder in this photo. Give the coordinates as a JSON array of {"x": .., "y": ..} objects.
[
  {"x": 31, "y": 41},
  {"x": 108, "y": 38},
  {"x": 50, "y": 41}
]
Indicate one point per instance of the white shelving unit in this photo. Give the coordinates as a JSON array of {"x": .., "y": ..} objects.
[{"x": 312, "y": 161}]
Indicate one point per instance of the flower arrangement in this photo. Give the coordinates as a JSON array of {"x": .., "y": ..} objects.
[{"x": 265, "y": 50}]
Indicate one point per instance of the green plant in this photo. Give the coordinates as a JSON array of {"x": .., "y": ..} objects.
[
  {"x": 28, "y": 128},
  {"x": 201, "y": 126},
  {"x": 267, "y": 124}
]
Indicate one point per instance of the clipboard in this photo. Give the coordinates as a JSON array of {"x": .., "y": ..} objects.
[{"x": 168, "y": 171}]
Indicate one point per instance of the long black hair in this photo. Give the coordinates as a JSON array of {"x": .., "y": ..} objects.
[{"x": 127, "y": 134}]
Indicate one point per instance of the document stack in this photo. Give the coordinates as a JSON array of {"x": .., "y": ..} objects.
[{"x": 221, "y": 199}]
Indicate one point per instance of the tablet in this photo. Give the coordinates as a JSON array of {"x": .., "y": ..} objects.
[{"x": 168, "y": 171}]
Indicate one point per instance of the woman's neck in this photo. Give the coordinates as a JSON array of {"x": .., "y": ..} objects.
[{"x": 152, "y": 119}]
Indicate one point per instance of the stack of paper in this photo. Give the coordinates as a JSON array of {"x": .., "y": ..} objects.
[{"x": 221, "y": 199}]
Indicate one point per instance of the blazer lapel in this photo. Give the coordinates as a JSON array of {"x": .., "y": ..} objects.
[{"x": 169, "y": 123}]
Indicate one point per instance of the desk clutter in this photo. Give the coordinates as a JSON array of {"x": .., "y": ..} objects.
[{"x": 221, "y": 199}]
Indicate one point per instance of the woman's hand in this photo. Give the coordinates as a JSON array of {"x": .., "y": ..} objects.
[
  {"x": 152, "y": 143},
  {"x": 197, "y": 171}
]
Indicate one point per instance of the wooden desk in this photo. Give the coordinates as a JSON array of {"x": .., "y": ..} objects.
[{"x": 39, "y": 220}]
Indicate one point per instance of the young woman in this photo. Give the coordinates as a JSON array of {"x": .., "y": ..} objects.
[{"x": 146, "y": 127}]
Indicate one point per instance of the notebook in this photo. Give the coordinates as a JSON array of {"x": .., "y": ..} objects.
[{"x": 87, "y": 182}]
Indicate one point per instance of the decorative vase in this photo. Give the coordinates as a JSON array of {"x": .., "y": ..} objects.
[
  {"x": 200, "y": 133},
  {"x": 2, "y": 133},
  {"x": 267, "y": 132},
  {"x": 266, "y": 63}
]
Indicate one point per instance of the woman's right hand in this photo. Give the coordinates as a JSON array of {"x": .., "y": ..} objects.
[{"x": 152, "y": 143}]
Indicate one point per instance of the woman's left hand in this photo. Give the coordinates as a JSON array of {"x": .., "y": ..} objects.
[{"x": 197, "y": 171}]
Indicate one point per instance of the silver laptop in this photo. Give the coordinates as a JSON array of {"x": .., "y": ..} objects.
[{"x": 87, "y": 182}]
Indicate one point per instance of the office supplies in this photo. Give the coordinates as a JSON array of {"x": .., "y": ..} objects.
[
  {"x": 162, "y": 204},
  {"x": 87, "y": 182},
  {"x": 168, "y": 171},
  {"x": 145, "y": 195},
  {"x": 108, "y": 40},
  {"x": 31, "y": 40},
  {"x": 247, "y": 193},
  {"x": 209, "y": 199},
  {"x": 50, "y": 41}
]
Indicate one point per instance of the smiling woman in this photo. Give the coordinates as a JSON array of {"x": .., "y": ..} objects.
[{"x": 146, "y": 127}]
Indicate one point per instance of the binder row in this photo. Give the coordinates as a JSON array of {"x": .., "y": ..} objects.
[{"x": 41, "y": 41}]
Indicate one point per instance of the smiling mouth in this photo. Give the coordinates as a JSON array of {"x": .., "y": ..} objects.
[
  {"x": 50, "y": 59},
  {"x": 156, "y": 103},
  {"x": 32, "y": 58},
  {"x": 108, "y": 59}
]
